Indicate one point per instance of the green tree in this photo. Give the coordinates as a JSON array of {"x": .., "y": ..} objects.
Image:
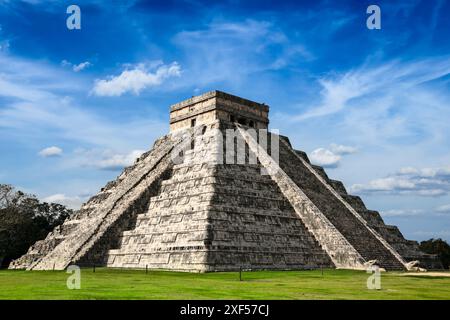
[
  {"x": 439, "y": 247},
  {"x": 24, "y": 220}
]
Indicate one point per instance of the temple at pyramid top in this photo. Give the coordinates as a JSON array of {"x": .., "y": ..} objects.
[{"x": 218, "y": 105}]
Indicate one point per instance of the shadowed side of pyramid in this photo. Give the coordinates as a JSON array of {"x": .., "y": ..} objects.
[
  {"x": 86, "y": 237},
  {"x": 407, "y": 249}
]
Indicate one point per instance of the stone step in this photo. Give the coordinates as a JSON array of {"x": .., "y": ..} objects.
[
  {"x": 303, "y": 155},
  {"x": 235, "y": 174},
  {"x": 320, "y": 170},
  {"x": 372, "y": 217},
  {"x": 355, "y": 202},
  {"x": 338, "y": 186},
  {"x": 217, "y": 189}
]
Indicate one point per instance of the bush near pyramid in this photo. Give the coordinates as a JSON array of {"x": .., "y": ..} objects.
[{"x": 218, "y": 193}]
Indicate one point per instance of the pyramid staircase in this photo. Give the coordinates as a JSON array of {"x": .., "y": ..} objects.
[{"x": 210, "y": 217}]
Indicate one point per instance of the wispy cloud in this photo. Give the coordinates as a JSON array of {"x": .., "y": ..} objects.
[
  {"x": 229, "y": 52},
  {"x": 119, "y": 161},
  {"x": 439, "y": 211},
  {"x": 402, "y": 212},
  {"x": 104, "y": 159},
  {"x": 380, "y": 83},
  {"x": 434, "y": 234},
  {"x": 25, "y": 81},
  {"x": 428, "y": 182},
  {"x": 38, "y": 107}
]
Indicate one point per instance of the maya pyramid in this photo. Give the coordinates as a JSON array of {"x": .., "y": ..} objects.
[{"x": 219, "y": 193}]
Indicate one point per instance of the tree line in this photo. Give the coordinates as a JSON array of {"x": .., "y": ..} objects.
[
  {"x": 24, "y": 220},
  {"x": 439, "y": 247}
]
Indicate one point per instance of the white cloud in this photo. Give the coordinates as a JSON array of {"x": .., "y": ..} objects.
[
  {"x": 443, "y": 209},
  {"x": 135, "y": 80},
  {"x": 435, "y": 172},
  {"x": 324, "y": 158},
  {"x": 81, "y": 66},
  {"x": 427, "y": 182},
  {"x": 342, "y": 150},
  {"x": 330, "y": 158},
  {"x": 51, "y": 152},
  {"x": 76, "y": 67},
  {"x": 74, "y": 202}
]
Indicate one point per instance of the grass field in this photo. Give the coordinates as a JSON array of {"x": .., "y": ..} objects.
[{"x": 136, "y": 284}]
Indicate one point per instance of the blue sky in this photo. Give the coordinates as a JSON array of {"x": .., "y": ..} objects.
[{"x": 370, "y": 105}]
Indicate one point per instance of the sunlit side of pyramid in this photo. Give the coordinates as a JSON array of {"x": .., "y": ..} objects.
[{"x": 213, "y": 196}]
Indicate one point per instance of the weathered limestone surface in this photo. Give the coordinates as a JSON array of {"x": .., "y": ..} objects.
[
  {"x": 184, "y": 206},
  {"x": 218, "y": 217}
]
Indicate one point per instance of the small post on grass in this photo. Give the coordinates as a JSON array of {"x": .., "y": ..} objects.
[
  {"x": 93, "y": 269},
  {"x": 240, "y": 273},
  {"x": 54, "y": 266},
  {"x": 321, "y": 269},
  {"x": 146, "y": 268}
]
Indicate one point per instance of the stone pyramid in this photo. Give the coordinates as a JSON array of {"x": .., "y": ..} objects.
[{"x": 219, "y": 193}]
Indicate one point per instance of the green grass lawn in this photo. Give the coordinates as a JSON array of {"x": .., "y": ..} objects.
[{"x": 136, "y": 284}]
